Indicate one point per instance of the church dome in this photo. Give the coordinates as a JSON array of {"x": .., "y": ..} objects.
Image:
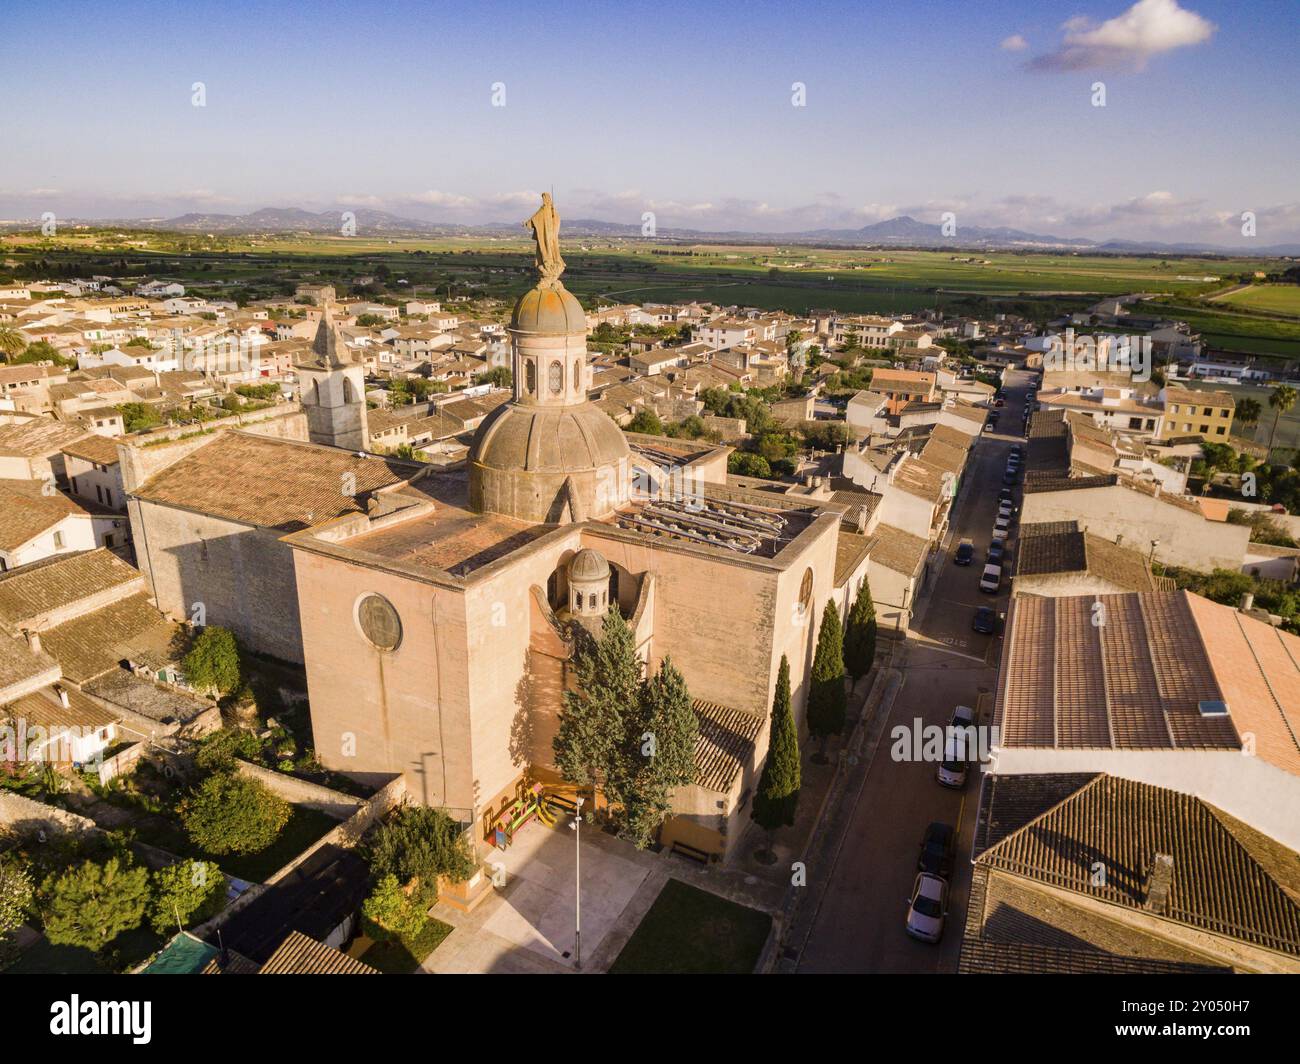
[
  {"x": 588, "y": 566},
  {"x": 549, "y": 311},
  {"x": 548, "y": 439}
]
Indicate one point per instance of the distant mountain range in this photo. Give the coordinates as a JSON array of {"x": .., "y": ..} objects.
[{"x": 900, "y": 232}]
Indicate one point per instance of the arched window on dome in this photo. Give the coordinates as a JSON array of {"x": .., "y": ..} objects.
[
  {"x": 591, "y": 601},
  {"x": 315, "y": 392},
  {"x": 555, "y": 377},
  {"x": 576, "y": 379},
  {"x": 530, "y": 377},
  {"x": 349, "y": 395}
]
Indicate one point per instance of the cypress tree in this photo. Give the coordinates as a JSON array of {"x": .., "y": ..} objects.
[
  {"x": 592, "y": 719},
  {"x": 778, "y": 788},
  {"x": 826, "y": 699},
  {"x": 860, "y": 639}
]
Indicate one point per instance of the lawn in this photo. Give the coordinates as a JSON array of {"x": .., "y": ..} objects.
[
  {"x": 122, "y": 954},
  {"x": 401, "y": 957},
  {"x": 690, "y": 931}
]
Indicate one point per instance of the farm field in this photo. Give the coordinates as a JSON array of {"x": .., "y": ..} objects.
[
  {"x": 1275, "y": 298},
  {"x": 793, "y": 278}
]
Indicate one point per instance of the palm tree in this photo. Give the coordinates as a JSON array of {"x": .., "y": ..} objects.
[
  {"x": 1281, "y": 399},
  {"x": 1248, "y": 411},
  {"x": 12, "y": 343}
]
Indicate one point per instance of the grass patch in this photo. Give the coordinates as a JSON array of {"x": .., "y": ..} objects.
[
  {"x": 401, "y": 956},
  {"x": 123, "y": 953},
  {"x": 690, "y": 931}
]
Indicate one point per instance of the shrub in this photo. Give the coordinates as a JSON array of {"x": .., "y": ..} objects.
[
  {"x": 91, "y": 904},
  {"x": 188, "y": 891},
  {"x": 230, "y": 813}
]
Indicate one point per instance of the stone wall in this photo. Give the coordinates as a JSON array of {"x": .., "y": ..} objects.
[
  {"x": 326, "y": 800},
  {"x": 243, "y": 575},
  {"x": 18, "y": 811}
]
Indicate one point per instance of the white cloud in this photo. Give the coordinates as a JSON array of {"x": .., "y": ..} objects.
[
  {"x": 1014, "y": 43},
  {"x": 1148, "y": 28}
]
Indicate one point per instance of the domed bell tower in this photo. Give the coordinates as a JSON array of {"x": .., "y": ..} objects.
[{"x": 549, "y": 455}]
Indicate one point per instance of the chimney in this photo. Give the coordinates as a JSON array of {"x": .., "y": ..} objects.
[
  {"x": 62, "y": 692},
  {"x": 1160, "y": 878},
  {"x": 33, "y": 641},
  {"x": 1119, "y": 539},
  {"x": 1247, "y": 601}
]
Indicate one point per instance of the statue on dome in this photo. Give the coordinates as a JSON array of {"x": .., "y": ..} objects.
[{"x": 545, "y": 224}]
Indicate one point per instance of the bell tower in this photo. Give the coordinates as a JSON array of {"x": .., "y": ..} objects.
[{"x": 332, "y": 391}]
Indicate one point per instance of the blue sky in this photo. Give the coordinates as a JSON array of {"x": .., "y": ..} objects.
[{"x": 984, "y": 109}]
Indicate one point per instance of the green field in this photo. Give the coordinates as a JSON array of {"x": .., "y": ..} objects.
[
  {"x": 692, "y": 932},
  {"x": 1037, "y": 285},
  {"x": 1275, "y": 298}
]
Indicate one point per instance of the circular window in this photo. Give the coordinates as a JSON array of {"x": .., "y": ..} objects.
[
  {"x": 379, "y": 622},
  {"x": 805, "y": 592}
]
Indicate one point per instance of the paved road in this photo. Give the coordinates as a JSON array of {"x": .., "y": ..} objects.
[{"x": 858, "y": 926}]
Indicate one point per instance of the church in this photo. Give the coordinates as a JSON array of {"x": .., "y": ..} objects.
[{"x": 434, "y": 607}]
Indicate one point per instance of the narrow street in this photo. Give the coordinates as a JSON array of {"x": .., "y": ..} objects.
[{"x": 857, "y": 921}]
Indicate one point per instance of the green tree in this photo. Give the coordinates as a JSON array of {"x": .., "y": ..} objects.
[
  {"x": 15, "y": 896},
  {"x": 137, "y": 416},
  {"x": 646, "y": 421},
  {"x": 746, "y": 464},
  {"x": 608, "y": 679},
  {"x": 860, "y": 638},
  {"x": 212, "y": 664},
  {"x": 390, "y": 909},
  {"x": 420, "y": 842},
  {"x": 497, "y": 376},
  {"x": 826, "y": 698},
  {"x": 187, "y": 891},
  {"x": 778, "y": 787},
  {"x": 230, "y": 813},
  {"x": 1248, "y": 411},
  {"x": 91, "y": 904},
  {"x": 1281, "y": 399},
  {"x": 12, "y": 343},
  {"x": 657, "y": 754},
  {"x": 42, "y": 351}
]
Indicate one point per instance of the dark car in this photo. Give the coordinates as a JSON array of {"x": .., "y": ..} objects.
[
  {"x": 965, "y": 553},
  {"x": 1009, "y": 477},
  {"x": 985, "y": 621},
  {"x": 1018, "y": 451},
  {"x": 993, "y": 417},
  {"x": 997, "y": 551},
  {"x": 936, "y": 850}
]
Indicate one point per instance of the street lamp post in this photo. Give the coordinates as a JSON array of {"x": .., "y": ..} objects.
[
  {"x": 1151, "y": 557},
  {"x": 577, "y": 885}
]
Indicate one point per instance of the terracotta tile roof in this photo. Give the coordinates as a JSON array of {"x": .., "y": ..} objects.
[
  {"x": 898, "y": 550},
  {"x": 26, "y": 511},
  {"x": 725, "y": 744},
  {"x": 300, "y": 955},
  {"x": 38, "y": 437},
  {"x": 850, "y": 549},
  {"x": 19, "y": 666},
  {"x": 272, "y": 483},
  {"x": 93, "y": 448},
  {"x": 32, "y": 590},
  {"x": 92, "y": 643},
  {"x": 1072, "y": 551},
  {"x": 43, "y": 708},
  {"x": 1136, "y": 680},
  {"x": 1222, "y": 875}
]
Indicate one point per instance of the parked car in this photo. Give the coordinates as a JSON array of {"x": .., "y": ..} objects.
[
  {"x": 963, "y": 716},
  {"x": 991, "y": 579},
  {"x": 985, "y": 621},
  {"x": 997, "y": 551},
  {"x": 952, "y": 769},
  {"x": 999, "y": 402},
  {"x": 927, "y": 907},
  {"x": 1001, "y": 527},
  {"x": 1010, "y": 477},
  {"x": 936, "y": 850},
  {"x": 965, "y": 553}
]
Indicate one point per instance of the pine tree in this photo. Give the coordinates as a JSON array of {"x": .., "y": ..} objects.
[
  {"x": 860, "y": 639},
  {"x": 826, "y": 699},
  {"x": 778, "y": 788},
  {"x": 608, "y": 685}
]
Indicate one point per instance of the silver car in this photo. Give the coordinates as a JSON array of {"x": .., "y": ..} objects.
[{"x": 927, "y": 907}]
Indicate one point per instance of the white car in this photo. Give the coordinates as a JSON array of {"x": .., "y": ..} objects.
[
  {"x": 962, "y": 717},
  {"x": 1000, "y": 527},
  {"x": 991, "y": 578},
  {"x": 927, "y": 907},
  {"x": 952, "y": 769}
]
